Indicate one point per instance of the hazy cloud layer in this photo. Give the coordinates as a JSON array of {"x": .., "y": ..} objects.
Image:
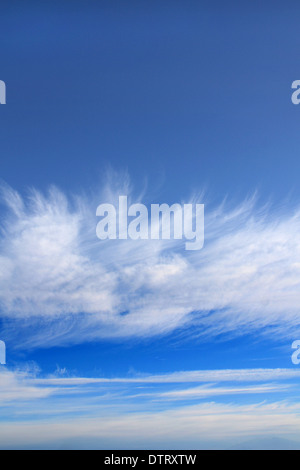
[{"x": 73, "y": 412}]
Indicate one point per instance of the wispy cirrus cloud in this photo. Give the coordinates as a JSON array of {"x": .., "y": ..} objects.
[
  {"x": 23, "y": 385},
  {"x": 18, "y": 386},
  {"x": 59, "y": 284}
]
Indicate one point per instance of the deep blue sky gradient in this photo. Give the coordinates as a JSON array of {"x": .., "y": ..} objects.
[
  {"x": 185, "y": 93},
  {"x": 189, "y": 95}
]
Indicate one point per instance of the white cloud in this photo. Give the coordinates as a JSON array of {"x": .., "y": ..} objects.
[
  {"x": 19, "y": 386},
  {"x": 60, "y": 284}
]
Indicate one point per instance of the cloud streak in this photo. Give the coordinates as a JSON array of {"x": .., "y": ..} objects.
[{"x": 198, "y": 376}]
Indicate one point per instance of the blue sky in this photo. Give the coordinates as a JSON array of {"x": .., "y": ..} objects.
[{"x": 166, "y": 102}]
